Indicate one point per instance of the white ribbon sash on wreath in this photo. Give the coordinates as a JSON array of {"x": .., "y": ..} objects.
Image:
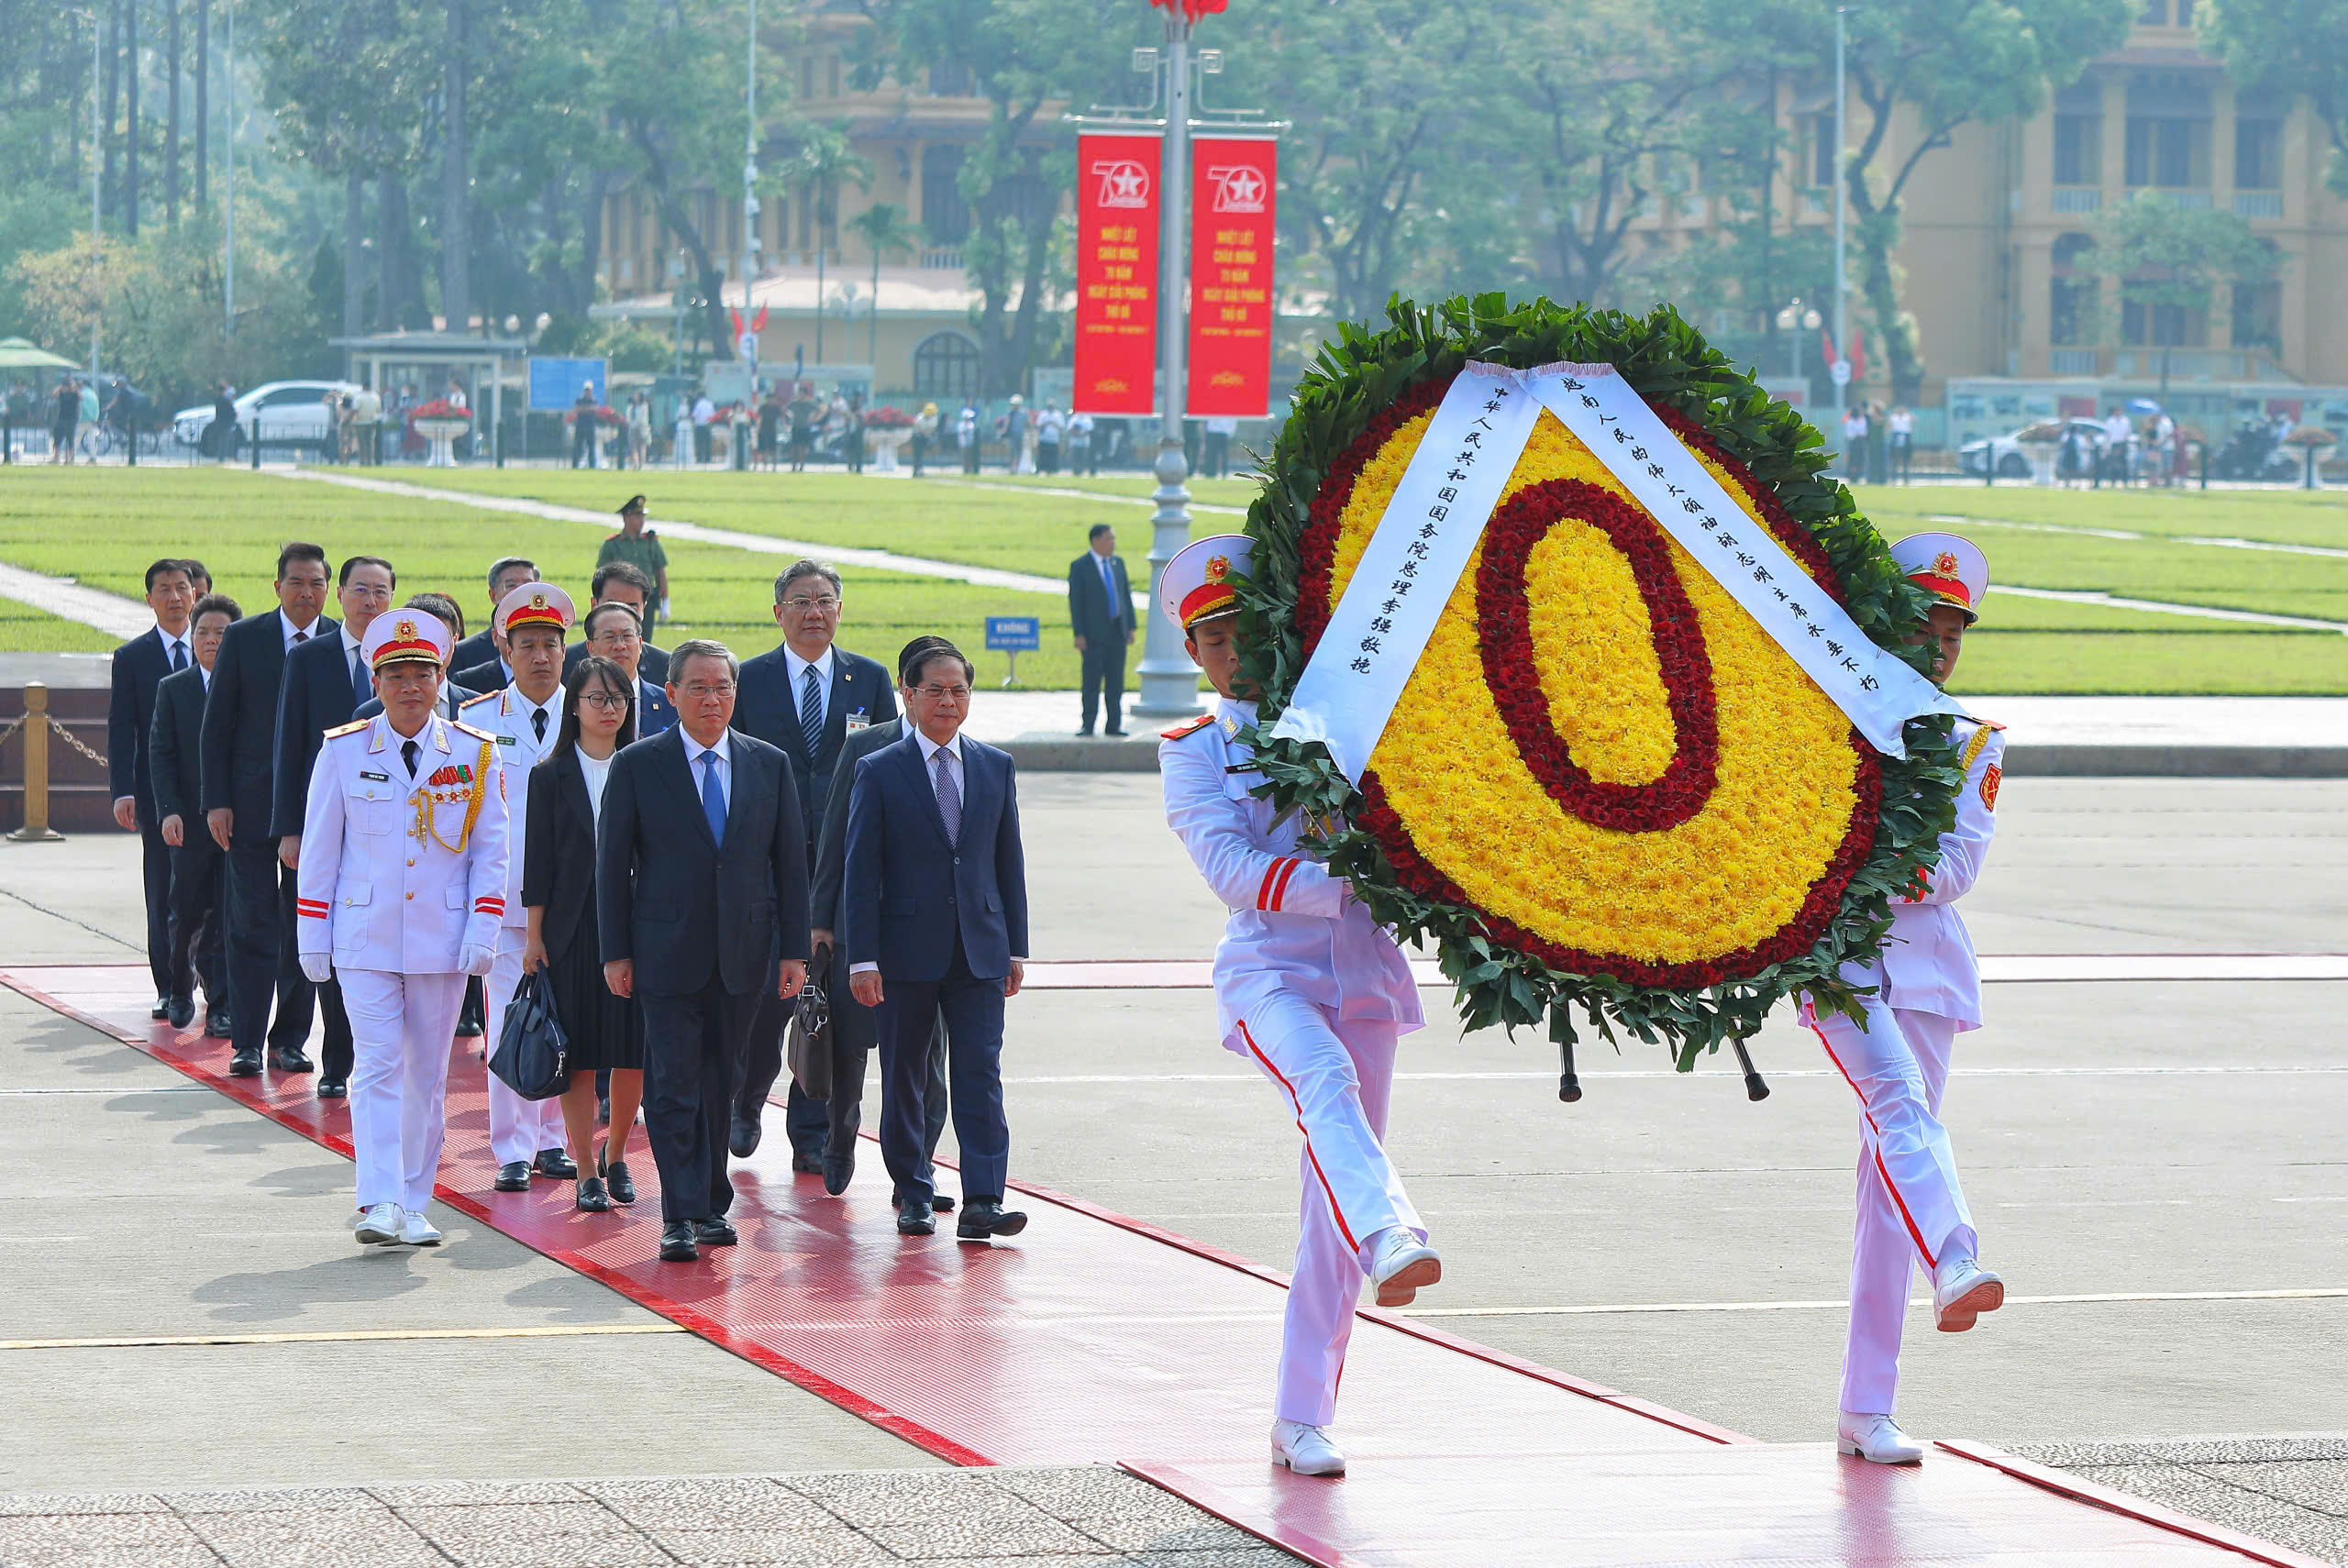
[{"x": 1438, "y": 513}]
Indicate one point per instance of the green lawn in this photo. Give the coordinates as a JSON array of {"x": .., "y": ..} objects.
[{"x": 24, "y": 629}]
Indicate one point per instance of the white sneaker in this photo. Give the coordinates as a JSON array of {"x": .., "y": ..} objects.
[
  {"x": 1961, "y": 1291},
  {"x": 1876, "y": 1439},
  {"x": 418, "y": 1232},
  {"x": 1306, "y": 1449},
  {"x": 1402, "y": 1265},
  {"x": 380, "y": 1226}
]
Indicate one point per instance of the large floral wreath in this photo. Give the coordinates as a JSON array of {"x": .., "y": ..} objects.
[{"x": 1604, "y": 788}]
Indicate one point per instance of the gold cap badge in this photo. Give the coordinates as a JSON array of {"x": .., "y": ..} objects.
[
  {"x": 1218, "y": 567},
  {"x": 405, "y": 630}
]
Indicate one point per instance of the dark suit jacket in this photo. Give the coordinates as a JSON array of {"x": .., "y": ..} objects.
[
  {"x": 315, "y": 695},
  {"x": 768, "y": 708},
  {"x": 652, "y": 663},
  {"x": 660, "y": 715},
  {"x": 240, "y": 716},
  {"x": 831, "y": 839},
  {"x": 668, "y": 898},
  {"x": 481, "y": 678},
  {"x": 559, "y": 851},
  {"x": 479, "y": 648},
  {"x": 452, "y": 696},
  {"x": 139, "y": 666},
  {"x": 909, "y": 891},
  {"x": 175, "y": 743},
  {"x": 1090, "y": 610}
]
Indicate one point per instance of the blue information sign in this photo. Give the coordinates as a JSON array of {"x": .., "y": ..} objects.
[
  {"x": 1014, "y": 633},
  {"x": 555, "y": 384}
]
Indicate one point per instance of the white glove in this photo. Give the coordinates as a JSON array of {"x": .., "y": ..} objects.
[
  {"x": 474, "y": 958},
  {"x": 319, "y": 966}
]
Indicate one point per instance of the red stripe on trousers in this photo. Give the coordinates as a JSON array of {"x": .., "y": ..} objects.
[
  {"x": 1343, "y": 1229},
  {"x": 1881, "y": 1168}
]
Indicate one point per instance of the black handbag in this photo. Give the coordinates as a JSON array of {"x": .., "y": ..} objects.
[{"x": 533, "y": 1053}]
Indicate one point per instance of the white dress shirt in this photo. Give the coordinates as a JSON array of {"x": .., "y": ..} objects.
[
  {"x": 287, "y": 629},
  {"x": 179, "y": 642},
  {"x": 725, "y": 752},
  {"x": 794, "y": 665},
  {"x": 594, "y": 771}
]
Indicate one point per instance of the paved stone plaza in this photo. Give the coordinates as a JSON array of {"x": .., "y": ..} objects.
[{"x": 2156, "y": 1168}]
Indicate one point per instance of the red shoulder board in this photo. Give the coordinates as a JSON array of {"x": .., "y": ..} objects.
[{"x": 1193, "y": 727}]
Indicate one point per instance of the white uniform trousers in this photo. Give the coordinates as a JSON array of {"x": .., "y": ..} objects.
[
  {"x": 1336, "y": 1077},
  {"x": 519, "y": 1128},
  {"x": 1883, "y": 1254},
  {"x": 402, "y": 1028}
]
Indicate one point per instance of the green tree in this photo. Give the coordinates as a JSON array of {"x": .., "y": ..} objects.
[
  {"x": 884, "y": 227},
  {"x": 2285, "y": 48},
  {"x": 822, "y": 162},
  {"x": 2166, "y": 255}
]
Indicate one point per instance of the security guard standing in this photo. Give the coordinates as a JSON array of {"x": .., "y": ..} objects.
[
  {"x": 1314, "y": 992},
  {"x": 402, "y": 890},
  {"x": 1928, "y": 989},
  {"x": 523, "y": 719}
]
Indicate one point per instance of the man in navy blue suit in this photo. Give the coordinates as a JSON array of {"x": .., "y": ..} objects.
[
  {"x": 805, "y": 697},
  {"x": 325, "y": 680},
  {"x": 937, "y": 923},
  {"x": 614, "y": 631},
  {"x": 139, "y": 667},
  {"x": 239, "y": 747}
]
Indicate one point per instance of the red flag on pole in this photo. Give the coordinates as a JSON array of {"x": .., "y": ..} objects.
[
  {"x": 1858, "y": 354},
  {"x": 1826, "y": 347}
]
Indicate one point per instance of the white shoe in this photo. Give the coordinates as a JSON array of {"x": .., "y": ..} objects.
[
  {"x": 380, "y": 1226},
  {"x": 1402, "y": 1265},
  {"x": 1876, "y": 1439},
  {"x": 418, "y": 1232},
  {"x": 1961, "y": 1291},
  {"x": 1306, "y": 1449}
]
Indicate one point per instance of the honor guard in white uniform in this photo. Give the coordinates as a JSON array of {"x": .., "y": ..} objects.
[
  {"x": 1927, "y": 989},
  {"x": 402, "y": 890},
  {"x": 523, "y": 718},
  {"x": 1313, "y": 991}
]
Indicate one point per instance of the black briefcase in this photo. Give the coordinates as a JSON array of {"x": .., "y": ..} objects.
[
  {"x": 809, "y": 1043},
  {"x": 533, "y": 1053}
]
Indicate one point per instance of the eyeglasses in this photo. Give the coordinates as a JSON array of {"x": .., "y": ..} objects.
[
  {"x": 604, "y": 699},
  {"x": 942, "y": 693},
  {"x": 618, "y": 636},
  {"x": 702, "y": 693},
  {"x": 824, "y": 603}
]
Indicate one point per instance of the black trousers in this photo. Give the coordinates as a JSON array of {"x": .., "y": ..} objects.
[
  {"x": 263, "y": 966},
  {"x": 1104, "y": 680},
  {"x": 582, "y": 444},
  {"x": 199, "y": 920},
  {"x": 155, "y": 868},
  {"x": 972, "y": 1009},
  {"x": 691, "y": 1043}
]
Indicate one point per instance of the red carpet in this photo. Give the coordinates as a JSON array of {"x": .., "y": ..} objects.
[{"x": 1095, "y": 1337}]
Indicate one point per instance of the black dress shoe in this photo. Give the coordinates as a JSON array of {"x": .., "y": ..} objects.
[
  {"x": 914, "y": 1220},
  {"x": 617, "y": 1180},
  {"x": 806, "y": 1163},
  {"x": 676, "y": 1241},
  {"x": 291, "y": 1059},
  {"x": 217, "y": 1024},
  {"x": 1084, "y": 735},
  {"x": 514, "y": 1176},
  {"x": 162, "y": 1007},
  {"x": 717, "y": 1232},
  {"x": 591, "y": 1196},
  {"x": 556, "y": 1163},
  {"x": 333, "y": 1088},
  {"x": 468, "y": 1016},
  {"x": 181, "y": 1013},
  {"x": 744, "y": 1138},
  {"x": 838, "y": 1171},
  {"x": 245, "y": 1063},
  {"x": 942, "y": 1203},
  {"x": 983, "y": 1217}
]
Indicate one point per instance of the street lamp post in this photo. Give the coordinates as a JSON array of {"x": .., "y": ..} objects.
[
  {"x": 751, "y": 201},
  {"x": 1842, "y": 199},
  {"x": 1169, "y": 682},
  {"x": 1793, "y": 319}
]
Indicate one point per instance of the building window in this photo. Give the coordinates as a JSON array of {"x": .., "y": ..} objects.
[
  {"x": 2168, "y": 154},
  {"x": 1822, "y": 149},
  {"x": 834, "y": 62},
  {"x": 806, "y": 76},
  {"x": 2078, "y": 149},
  {"x": 2070, "y": 317},
  {"x": 951, "y": 79},
  {"x": 945, "y": 364},
  {"x": 2143, "y": 325},
  {"x": 2258, "y": 155},
  {"x": 2258, "y": 317},
  {"x": 2154, "y": 15},
  {"x": 945, "y": 216}
]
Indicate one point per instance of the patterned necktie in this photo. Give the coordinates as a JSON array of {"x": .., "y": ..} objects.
[
  {"x": 407, "y": 755},
  {"x": 359, "y": 689},
  {"x": 713, "y": 798},
  {"x": 811, "y": 712},
  {"x": 539, "y": 722},
  {"x": 301, "y": 637},
  {"x": 949, "y": 795},
  {"x": 179, "y": 657}
]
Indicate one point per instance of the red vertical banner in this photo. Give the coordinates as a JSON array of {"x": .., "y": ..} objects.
[
  {"x": 1232, "y": 187},
  {"x": 1116, "y": 274}
]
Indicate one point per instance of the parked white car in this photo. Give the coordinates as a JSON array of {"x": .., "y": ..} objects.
[{"x": 288, "y": 411}]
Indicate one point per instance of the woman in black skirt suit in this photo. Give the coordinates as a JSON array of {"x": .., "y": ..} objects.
[{"x": 558, "y": 891}]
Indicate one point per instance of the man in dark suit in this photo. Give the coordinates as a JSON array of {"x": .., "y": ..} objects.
[
  {"x": 239, "y": 785},
  {"x": 506, "y": 574},
  {"x": 616, "y": 632},
  {"x": 700, "y": 873},
  {"x": 620, "y": 582},
  {"x": 326, "y": 680},
  {"x": 1100, "y": 609},
  {"x": 938, "y": 921},
  {"x": 139, "y": 666},
  {"x": 851, "y": 1022},
  {"x": 199, "y": 891},
  {"x": 803, "y": 697}
]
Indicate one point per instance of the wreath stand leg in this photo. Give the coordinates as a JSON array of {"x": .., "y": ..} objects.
[
  {"x": 1568, "y": 1085},
  {"x": 1755, "y": 1086}
]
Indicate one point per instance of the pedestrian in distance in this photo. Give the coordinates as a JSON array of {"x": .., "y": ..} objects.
[
  {"x": 1219, "y": 431},
  {"x": 140, "y": 668},
  {"x": 966, "y": 438},
  {"x": 65, "y": 413},
  {"x": 1100, "y": 615},
  {"x": 199, "y": 890},
  {"x": 639, "y": 548},
  {"x": 403, "y": 890},
  {"x": 924, "y": 435},
  {"x": 584, "y": 430}
]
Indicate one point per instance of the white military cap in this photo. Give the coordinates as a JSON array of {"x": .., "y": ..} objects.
[
  {"x": 1197, "y": 583},
  {"x": 1950, "y": 565},
  {"x": 535, "y": 604},
  {"x": 406, "y": 636}
]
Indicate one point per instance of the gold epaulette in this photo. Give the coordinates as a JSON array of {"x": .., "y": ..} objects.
[
  {"x": 1979, "y": 743},
  {"x": 1192, "y": 728},
  {"x": 484, "y": 697},
  {"x": 351, "y": 728},
  {"x": 468, "y": 729}
]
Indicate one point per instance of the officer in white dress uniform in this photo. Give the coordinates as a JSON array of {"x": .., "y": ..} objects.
[
  {"x": 523, "y": 718},
  {"x": 400, "y": 892},
  {"x": 1314, "y": 992},
  {"x": 1911, "y": 1207}
]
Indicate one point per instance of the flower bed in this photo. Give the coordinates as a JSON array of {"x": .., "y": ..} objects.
[
  {"x": 1604, "y": 789},
  {"x": 441, "y": 408}
]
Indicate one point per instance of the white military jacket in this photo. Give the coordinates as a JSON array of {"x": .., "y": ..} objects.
[
  {"x": 1928, "y": 961},
  {"x": 503, "y": 716},
  {"x": 397, "y": 873},
  {"x": 1294, "y": 926}
]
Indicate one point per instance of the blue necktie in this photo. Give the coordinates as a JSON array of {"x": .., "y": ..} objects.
[
  {"x": 1109, "y": 590},
  {"x": 179, "y": 658},
  {"x": 810, "y": 714},
  {"x": 713, "y": 798},
  {"x": 361, "y": 688}
]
